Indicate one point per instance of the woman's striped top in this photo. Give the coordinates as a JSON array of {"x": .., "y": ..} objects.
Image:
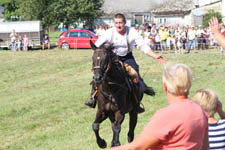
[{"x": 217, "y": 135}]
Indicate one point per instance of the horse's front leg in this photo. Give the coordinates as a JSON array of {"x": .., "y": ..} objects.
[
  {"x": 116, "y": 127},
  {"x": 100, "y": 116},
  {"x": 132, "y": 124}
]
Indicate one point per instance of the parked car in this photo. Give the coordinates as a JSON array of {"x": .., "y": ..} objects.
[{"x": 76, "y": 39}]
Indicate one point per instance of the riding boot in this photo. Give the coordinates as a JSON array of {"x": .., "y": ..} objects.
[
  {"x": 92, "y": 101},
  {"x": 147, "y": 90},
  {"x": 136, "y": 102}
]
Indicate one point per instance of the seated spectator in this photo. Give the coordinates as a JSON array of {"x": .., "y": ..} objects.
[
  {"x": 209, "y": 101},
  {"x": 45, "y": 42},
  {"x": 182, "y": 125}
]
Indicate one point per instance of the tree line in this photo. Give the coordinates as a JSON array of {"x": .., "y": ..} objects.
[{"x": 52, "y": 12}]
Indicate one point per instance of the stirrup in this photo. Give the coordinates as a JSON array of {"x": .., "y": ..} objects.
[{"x": 91, "y": 103}]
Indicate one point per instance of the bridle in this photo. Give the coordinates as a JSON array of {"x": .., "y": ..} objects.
[{"x": 106, "y": 65}]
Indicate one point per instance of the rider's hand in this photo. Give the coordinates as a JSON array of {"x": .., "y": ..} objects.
[{"x": 160, "y": 59}]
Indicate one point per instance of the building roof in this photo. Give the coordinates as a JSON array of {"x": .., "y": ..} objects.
[
  {"x": 127, "y": 7},
  {"x": 170, "y": 7},
  {"x": 20, "y": 26},
  {"x": 157, "y": 7}
]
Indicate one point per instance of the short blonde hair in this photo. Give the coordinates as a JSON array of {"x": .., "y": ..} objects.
[
  {"x": 178, "y": 79},
  {"x": 207, "y": 99}
]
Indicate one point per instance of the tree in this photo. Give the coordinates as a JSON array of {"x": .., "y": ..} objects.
[
  {"x": 52, "y": 12},
  {"x": 70, "y": 11},
  {"x": 207, "y": 17},
  {"x": 89, "y": 10},
  {"x": 10, "y": 10}
]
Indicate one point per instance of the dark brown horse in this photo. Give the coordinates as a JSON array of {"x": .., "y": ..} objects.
[{"x": 116, "y": 93}]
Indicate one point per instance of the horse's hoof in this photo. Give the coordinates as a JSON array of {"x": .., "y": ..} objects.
[
  {"x": 102, "y": 144},
  {"x": 115, "y": 144},
  {"x": 130, "y": 139}
]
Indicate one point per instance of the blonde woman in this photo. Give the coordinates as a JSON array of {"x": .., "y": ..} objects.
[
  {"x": 209, "y": 101},
  {"x": 182, "y": 125}
]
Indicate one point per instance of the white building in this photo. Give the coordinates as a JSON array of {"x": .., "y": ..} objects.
[
  {"x": 174, "y": 12},
  {"x": 134, "y": 11},
  {"x": 170, "y": 12}
]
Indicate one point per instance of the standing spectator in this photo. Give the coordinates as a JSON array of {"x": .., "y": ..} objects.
[
  {"x": 183, "y": 38},
  {"x": 25, "y": 43},
  {"x": 45, "y": 42},
  {"x": 20, "y": 43},
  {"x": 146, "y": 34},
  {"x": 182, "y": 125},
  {"x": 106, "y": 27},
  {"x": 90, "y": 28},
  {"x": 84, "y": 27},
  {"x": 171, "y": 37},
  {"x": 64, "y": 28},
  {"x": 100, "y": 31},
  {"x": 60, "y": 26},
  {"x": 191, "y": 37},
  {"x": 209, "y": 101},
  {"x": 153, "y": 27},
  {"x": 140, "y": 30},
  {"x": 13, "y": 37},
  {"x": 163, "y": 37},
  {"x": 157, "y": 41},
  {"x": 153, "y": 35},
  {"x": 75, "y": 27},
  {"x": 96, "y": 29},
  {"x": 206, "y": 38},
  {"x": 200, "y": 37},
  {"x": 195, "y": 40}
]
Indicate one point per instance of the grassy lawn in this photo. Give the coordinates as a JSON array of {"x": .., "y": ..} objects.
[{"x": 42, "y": 95}]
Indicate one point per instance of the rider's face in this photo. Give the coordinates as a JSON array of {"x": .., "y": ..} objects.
[{"x": 119, "y": 23}]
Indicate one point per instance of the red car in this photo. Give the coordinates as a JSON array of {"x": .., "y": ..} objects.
[{"x": 76, "y": 39}]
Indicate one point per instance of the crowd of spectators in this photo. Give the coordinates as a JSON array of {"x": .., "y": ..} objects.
[
  {"x": 170, "y": 37},
  {"x": 18, "y": 43}
]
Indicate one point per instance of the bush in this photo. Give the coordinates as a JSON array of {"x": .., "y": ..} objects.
[{"x": 209, "y": 15}]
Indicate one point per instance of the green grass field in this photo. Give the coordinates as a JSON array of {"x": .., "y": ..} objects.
[{"x": 42, "y": 95}]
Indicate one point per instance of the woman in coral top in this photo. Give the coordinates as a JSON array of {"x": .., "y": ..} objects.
[{"x": 182, "y": 125}]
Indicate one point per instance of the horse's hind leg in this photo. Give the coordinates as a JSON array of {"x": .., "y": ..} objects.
[
  {"x": 132, "y": 125},
  {"x": 100, "y": 116},
  {"x": 116, "y": 127}
]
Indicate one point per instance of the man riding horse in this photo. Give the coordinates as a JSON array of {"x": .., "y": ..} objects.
[{"x": 124, "y": 39}]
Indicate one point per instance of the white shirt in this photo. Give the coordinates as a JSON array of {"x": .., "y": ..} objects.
[
  {"x": 120, "y": 41},
  {"x": 100, "y": 32},
  {"x": 199, "y": 32},
  {"x": 191, "y": 34}
]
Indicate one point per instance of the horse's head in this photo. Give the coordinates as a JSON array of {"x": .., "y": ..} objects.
[{"x": 101, "y": 60}]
